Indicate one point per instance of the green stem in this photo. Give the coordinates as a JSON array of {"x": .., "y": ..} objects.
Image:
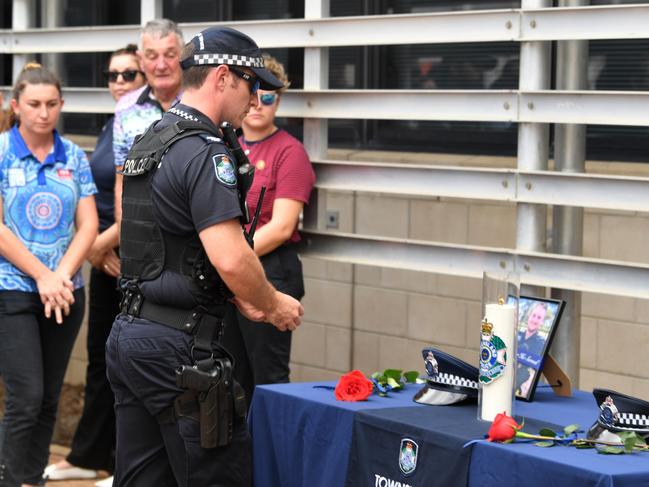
[
  {"x": 522, "y": 434},
  {"x": 608, "y": 443}
]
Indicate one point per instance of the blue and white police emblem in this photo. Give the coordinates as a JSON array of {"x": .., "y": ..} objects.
[
  {"x": 493, "y": 354},
  {"x": 408, "y": 456},
  {"x": 609, "y": 415},
  {"x": 224, "y": 169},
  {"x": 432, "y": 368}
]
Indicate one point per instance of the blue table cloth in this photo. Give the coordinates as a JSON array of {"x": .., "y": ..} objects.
[{"x": 302, "y": 437}]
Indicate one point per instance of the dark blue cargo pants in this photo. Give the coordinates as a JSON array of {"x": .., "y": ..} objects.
[{"x": 141, "y": 358}]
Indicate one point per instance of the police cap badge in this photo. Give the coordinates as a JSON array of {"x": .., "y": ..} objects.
[{"x": 450, "y": 380}]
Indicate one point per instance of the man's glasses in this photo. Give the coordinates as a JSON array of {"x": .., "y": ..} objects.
[
  {"x": 253, "y": 82},
  {"x": 267, "y": 99},
  {"x": 128, "y": 75}
]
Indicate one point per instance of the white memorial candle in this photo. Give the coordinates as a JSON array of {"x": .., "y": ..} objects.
[{"x": 496, "y": 397}]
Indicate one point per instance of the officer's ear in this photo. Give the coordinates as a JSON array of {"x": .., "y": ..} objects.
[{"x": 220, "y": 73}]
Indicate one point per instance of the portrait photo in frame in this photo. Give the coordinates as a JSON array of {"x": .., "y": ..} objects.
[{"x": 538, "y": 319}]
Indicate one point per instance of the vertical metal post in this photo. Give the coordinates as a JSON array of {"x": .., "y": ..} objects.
[
  {"x": 316, "y": 77},
  {"x": 52, "y": 17},
  {"x": 149, "y": 10},
  {"x": 22, "y": 18},
  {"x": 568, "y": 221},
  {"x": 533, "y": 141}
]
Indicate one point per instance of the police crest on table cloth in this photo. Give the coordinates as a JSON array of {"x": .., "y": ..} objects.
[{"x": 408, "y": 456}]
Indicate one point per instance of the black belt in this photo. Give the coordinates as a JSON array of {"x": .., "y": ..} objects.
[{"x": 198, "y": 322}]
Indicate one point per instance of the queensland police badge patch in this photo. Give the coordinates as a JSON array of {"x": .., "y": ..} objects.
[
  {"x": 224, "y": 169},
  {"x": 408, "y": 456},
  {"x": 493, "y": 354}
]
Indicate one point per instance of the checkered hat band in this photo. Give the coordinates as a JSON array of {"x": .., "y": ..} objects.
[
  {"x": 231, "y": 59},
  {"x": 618, "y": 426},
  {"x": 454, "y": 380},
  {"x": 630, "y": 419}
]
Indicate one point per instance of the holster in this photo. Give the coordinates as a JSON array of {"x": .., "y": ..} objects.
[
  {"x": 216, "y": 413},
  {"x": 213, "y": 398}
]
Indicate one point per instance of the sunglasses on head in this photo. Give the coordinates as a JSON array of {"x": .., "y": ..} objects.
[
  {"x": 253, "y": 81},
  {"x": 128, "y": 75},
  {"x": 267, "y": 98}
]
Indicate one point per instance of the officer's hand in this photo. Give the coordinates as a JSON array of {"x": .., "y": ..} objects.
[
  {"x": 110, "y": 263},
  {"x": 248, "y": 310},
  {"x": 287, "y": 314}
]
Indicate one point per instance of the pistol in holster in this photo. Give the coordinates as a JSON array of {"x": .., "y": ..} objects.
[{"x": 217, "y": 404}]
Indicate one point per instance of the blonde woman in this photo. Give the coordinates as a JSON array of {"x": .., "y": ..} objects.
[{"x": 49, "y": 223}]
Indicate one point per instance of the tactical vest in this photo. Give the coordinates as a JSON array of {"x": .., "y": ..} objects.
[{"x": 145, "y": 250}]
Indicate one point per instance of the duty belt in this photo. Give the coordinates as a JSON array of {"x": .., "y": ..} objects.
[{"x": 198, "y": 322}]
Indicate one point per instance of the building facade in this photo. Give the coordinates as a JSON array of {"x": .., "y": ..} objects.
[{"x": 364, "y": 308}]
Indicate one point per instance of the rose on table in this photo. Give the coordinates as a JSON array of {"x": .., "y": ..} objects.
[{"x": 504, "y": 429}]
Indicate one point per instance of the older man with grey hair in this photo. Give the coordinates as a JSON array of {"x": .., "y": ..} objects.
[{"x": 161, "y": 42}]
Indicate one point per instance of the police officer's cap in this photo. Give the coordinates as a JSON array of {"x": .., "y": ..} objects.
[
  {"x": 619, "y": 412},
  {"x": 450, "y": 380},
  {"x": 222, "y": 45}
]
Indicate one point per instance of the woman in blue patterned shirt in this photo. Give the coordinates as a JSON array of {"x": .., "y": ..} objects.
[{"x": 49, "y": 223}]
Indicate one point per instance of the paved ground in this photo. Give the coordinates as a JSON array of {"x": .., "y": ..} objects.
[{"x": 58, "y": 453}]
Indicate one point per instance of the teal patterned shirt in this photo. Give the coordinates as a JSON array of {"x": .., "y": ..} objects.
[{"x": 40, "y": 202}]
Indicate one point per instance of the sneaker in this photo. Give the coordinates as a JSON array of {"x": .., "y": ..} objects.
[
  {"x": 71, "y": 473},
  {"x": 107, "y": 482}
]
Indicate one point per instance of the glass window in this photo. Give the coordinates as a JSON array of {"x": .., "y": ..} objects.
[
  {"x": 613, "y": 65},
  {"x": 85, "y": 69}
]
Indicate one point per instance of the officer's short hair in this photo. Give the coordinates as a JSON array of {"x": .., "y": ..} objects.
[
  {"x": 160, "y": 28},
  {"x": 194, "y": 76}
]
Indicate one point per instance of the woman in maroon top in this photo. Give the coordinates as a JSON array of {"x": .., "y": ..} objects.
[{"x": 281, "y": 165}]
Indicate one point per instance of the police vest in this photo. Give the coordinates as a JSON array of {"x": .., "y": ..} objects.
[{"x": 145, "y": 250}]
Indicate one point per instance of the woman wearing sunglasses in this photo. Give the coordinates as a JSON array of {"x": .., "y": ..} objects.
[
  {"x": 282, "y": 165},
  {"x": 94, "y": 441}
]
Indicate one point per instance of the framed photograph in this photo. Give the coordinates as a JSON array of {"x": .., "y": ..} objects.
[{"x": 538, "y": 319}]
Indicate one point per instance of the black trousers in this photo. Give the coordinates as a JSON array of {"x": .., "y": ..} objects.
[
  {"x": 141, "y": 358},
  {"x": 34, "y": 354},
  {"x": 93, "y": 446},
  {"x": 261, "y": 352}
]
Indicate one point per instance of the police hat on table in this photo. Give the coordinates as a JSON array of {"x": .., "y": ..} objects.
[
  {"x": 222, "y": 45},
  {"x": 619, "y": 412},
  {"x": 450, "y": 380}
]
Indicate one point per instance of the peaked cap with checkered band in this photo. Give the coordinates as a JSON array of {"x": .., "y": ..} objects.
[
  {"x": 619, "y": 412},
  {"x": 449, "y": 380},
  {"x": 223, "y": 45}
]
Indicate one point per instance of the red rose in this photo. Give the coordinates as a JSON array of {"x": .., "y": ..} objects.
[
  {"x": 503, "y": 428},
  {"x": 353, "y": 386}
]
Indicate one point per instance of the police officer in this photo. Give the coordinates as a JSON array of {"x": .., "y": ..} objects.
[{"x": 180, "y": 416}]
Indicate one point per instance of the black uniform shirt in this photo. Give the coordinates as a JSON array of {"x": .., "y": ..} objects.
[{"x": 193, "y": 189}]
